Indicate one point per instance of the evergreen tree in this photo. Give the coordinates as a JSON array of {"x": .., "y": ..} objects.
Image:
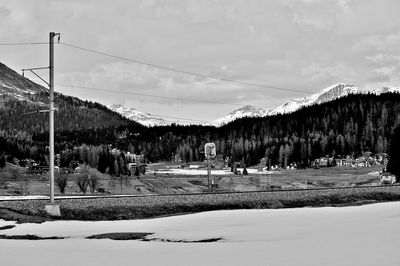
[
  {"x": 2, "y": 162},
  {"x": 245, "y": 171},
  {"x": 394, "y": 155}
]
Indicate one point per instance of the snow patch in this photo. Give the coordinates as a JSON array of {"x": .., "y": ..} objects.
[
  {"x": 204, "y": 172},
  {"x": 361, "y": 235}
]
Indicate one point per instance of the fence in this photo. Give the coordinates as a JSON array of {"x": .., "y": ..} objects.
[{"x": 155, "y": 183}]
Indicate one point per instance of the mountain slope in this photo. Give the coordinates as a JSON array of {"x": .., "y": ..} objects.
[
  {"x": 140, "y": 117},
  {"x": 15, "y": 86},
  {"x": 246, "y": 111},
  {"x": 19, "y": 96},
  {"x": 328, "y": 94},
  {"x": 386, "y": 90},
  {"x": 13, "y": 83}
]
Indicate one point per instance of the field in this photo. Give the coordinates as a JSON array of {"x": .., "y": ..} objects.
[
  {"x": 182, "y": 180},
  {"x": 168, "y": 179},
  {"x": 358, "y": 235}
]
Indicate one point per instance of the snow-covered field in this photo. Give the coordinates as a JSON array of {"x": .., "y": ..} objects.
[
  {"x": 204, "y": 171},
  {"x": 363, "y": 235}
]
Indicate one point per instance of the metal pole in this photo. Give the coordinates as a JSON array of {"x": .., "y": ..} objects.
[
  {"x": 51, "y": 115},
  {"x": 209, "y": 174}
]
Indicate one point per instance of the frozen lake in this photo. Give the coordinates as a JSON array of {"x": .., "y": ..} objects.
[{"x": 362, "y": 235}]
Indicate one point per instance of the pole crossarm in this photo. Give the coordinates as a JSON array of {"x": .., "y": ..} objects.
[
  {"x": 35, "y": 68},
  {"x": 38, "y": 111},
  {"x": 37, "y": 75}
]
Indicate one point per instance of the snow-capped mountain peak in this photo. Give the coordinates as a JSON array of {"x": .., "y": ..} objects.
[
  {"x": 328, "y": 94},
  {"x": 244, "y": 111},
  {"x": 140, "y": 117},
  {"x": 386, "y": 90}
]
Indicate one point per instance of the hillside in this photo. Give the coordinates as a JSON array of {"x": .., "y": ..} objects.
[
  {"x": 24, "y": 131},
  {"x": 137, "y": 116},
  {"x": 325, "y": 95},
  {"x": 19, "y": 96},
  {"x": 16, "y": 86},
  {"x": 350, "y": 125}
]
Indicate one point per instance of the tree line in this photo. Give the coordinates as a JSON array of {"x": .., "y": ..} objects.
[{"x": 350, "y": 125}]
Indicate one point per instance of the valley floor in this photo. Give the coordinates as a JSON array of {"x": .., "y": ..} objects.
[{"x": 359, "y": 235}]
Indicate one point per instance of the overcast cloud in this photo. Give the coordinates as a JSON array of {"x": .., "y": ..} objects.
[{"x": 303, "y": 45}]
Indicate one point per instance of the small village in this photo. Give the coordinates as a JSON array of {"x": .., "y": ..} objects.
[{"x": 137, "y": 162}]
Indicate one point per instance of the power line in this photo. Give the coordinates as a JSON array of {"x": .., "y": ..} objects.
[
  {"x": 23, "y": 43},
  {"x": 180, "y": 70},
  {"x": 159, "y": 66},
  {"x": 155, "y": 96},
  {"x": 148, "y": 95},
  {"x": 180, "y": 118},
  {"x": 154, "y": 115}
]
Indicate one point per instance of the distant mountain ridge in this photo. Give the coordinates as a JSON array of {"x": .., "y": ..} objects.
[
  {"x": 13, "y": 86},
  {"x": 247, "y": 110},
  {"x": 326, "y": 95},
  {"x": 137, "y": 116},
  {"x": 391, "y": 89}
]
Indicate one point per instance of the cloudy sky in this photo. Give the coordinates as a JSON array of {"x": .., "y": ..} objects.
[{"x": 303, "y": 45}]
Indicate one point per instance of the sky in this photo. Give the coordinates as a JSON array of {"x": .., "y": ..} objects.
[{"x": 301, "y": 45}]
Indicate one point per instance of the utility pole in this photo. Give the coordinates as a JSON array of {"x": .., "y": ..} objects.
[
  {"x": 51, "y": 113},
  {"x": 209, "y": 174},
  {"x": 209, "y": 151},
  {"x": 51, "y": 209}
]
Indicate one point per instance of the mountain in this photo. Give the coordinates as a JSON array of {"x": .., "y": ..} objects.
[
  {"x": 20, "y": 99},
  {"x": 15, "y": 86},
  {"x": 328, "y": 94},
  {"x": 386, "y": 90},
  {"x": 246, "y": 111},
  {"x": 140, "y": 117}
]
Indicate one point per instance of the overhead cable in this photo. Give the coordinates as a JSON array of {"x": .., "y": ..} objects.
[{"x": 180, "y": 70}]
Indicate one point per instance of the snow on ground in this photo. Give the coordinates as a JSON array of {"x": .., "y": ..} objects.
[
  {"x": 204, "y": 171},
  {"x": 374, "y": 173},
  {"x": 35, "y": 197},
  {"x": 362, "y": 235},
  {"x": 32, "y": 197}
]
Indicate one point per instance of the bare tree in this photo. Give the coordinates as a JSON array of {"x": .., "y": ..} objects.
[
  {"x": 93, "y": 183},
  {"x": 83, "y": 181},
  {"x": 61, "y": 181}
]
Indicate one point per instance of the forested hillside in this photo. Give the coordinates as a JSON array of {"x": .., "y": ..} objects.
[
  {"x": 71, "y": 114},
  {"x": 24, "y": 131},
  {"x": 347, "y": 126}
]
